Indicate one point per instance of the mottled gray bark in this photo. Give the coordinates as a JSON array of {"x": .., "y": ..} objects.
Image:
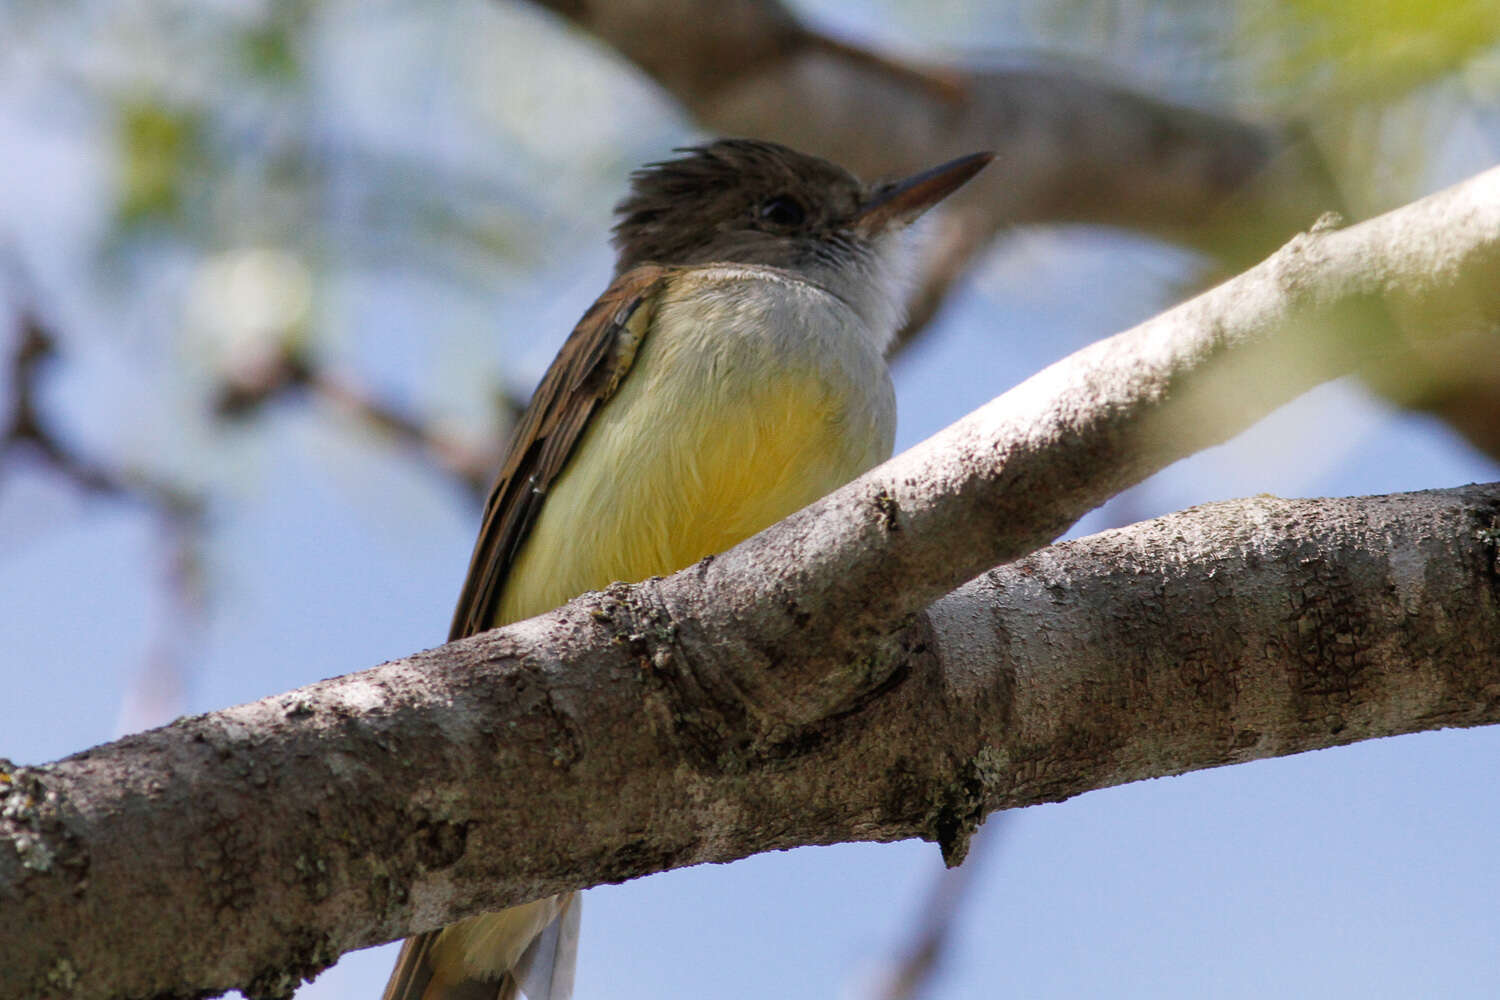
[
  {"x": 252, "y": 846},
  {"x": 791, "y": 691}
]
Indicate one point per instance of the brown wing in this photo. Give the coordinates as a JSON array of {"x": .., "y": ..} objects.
[
  {"x": 413, "y": 969},
  {"x": 413, "y": 977},
  {"x": 582, "y": 378}
]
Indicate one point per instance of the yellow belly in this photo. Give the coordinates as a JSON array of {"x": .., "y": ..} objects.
[{"x": 713, "y": 435}]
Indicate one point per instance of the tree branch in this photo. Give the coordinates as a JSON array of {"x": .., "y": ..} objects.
[
  {"x": 250, "y": 388},
  {"x": 787, "y": 692},
  {"x": 35, "y": 347},
  {"x": 180, "y": 513},
  {"x": 250, "y": 847},
  {"x": 1070, "y": 148}
]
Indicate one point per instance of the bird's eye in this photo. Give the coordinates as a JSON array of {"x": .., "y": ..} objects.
[{"x": 783, "y": 210}]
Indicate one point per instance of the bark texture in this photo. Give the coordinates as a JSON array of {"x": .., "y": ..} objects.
[
  {"x": 791, "y": 692},
  {"x": 250, "y": 847}
]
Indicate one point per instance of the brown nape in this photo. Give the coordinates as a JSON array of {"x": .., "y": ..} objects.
[{"x": 734, "y": 200}]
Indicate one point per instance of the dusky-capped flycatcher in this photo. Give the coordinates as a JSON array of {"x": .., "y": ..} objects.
[{"x": 732, "y": 373}]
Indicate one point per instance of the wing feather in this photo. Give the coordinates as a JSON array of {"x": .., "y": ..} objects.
[
  {"x": 583, "y": 377},
  {"x": 413, "y": 969}
]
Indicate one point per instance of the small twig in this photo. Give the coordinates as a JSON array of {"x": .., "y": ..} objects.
[
  {"x": 34, "y": 347},
  {"x": 157, "y": 694},
  {"x": 292, "y": 372},
  {"x": 27, "y": 430},
  {"x": 933, "y": 930}
]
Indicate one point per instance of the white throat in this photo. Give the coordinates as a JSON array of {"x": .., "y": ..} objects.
[{"x": 874, "y": 285}]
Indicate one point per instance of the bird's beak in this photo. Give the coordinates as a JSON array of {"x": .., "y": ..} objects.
[{"x": 900, "y": 203}]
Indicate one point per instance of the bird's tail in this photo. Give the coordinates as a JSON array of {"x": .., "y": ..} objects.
[{"x": 528, "y": 950}]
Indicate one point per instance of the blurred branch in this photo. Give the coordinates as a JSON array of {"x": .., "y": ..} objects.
[
  {"x": 33, "y": 348},
  {"x": 26, "y": 430},
  {"x": 159, "y": 691},
  {"x": 157, "y": 694},
  {"x": 290, "y": 372},
  {"x": 932, "y": 931},
  {"x": 1070, "y": 148},
  {"x": 954, "y": 240},
  {"x": 1455, "y": 379}
]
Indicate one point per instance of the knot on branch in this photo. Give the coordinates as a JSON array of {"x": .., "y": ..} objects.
[
  {"x": 964, "y": 802},
  {"x": 732, "y": 700}
]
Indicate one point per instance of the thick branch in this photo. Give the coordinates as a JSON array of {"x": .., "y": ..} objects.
[
  {"x": 251, "y": 846},
  {"x": 787, "y": 692},
  {"x": 1016, "y": 473}
]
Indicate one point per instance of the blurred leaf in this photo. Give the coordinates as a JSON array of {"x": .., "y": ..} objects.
[
  {"x": 158, "y": 148},
  {"x": 270, "y": 50},
  {"x": 1368, "y": 49}
]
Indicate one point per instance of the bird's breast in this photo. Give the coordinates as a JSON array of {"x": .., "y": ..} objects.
[{"x": 753, "y": 395}]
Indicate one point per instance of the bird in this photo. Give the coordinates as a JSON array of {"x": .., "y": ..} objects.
[{"x": 732, "y": 373}]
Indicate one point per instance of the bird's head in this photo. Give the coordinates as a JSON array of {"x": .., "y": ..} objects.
[{"x": 746, "y": 201}]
